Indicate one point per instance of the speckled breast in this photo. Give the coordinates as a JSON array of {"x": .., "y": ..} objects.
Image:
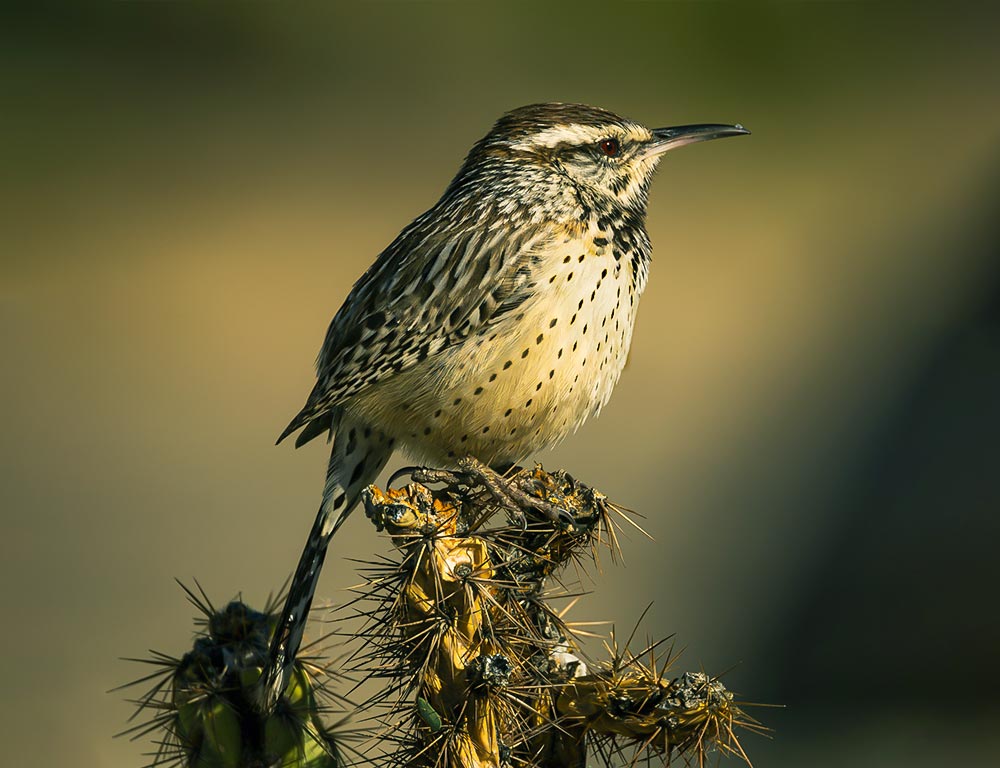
[{"x": 530, "y": 380}]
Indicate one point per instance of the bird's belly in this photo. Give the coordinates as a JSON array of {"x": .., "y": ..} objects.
[{"x": 526, "y": 382}]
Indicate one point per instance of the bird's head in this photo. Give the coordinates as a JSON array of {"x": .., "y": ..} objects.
[{"x": 606, "y": 158}]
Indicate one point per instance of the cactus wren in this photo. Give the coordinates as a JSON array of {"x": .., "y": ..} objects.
[{"x": 500, "y": 319}]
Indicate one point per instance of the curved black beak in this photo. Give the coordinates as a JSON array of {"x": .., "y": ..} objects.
[{"x": 665, "y": 139}]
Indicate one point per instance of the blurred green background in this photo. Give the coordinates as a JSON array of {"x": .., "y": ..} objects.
[{"x": 810, "y": 421}]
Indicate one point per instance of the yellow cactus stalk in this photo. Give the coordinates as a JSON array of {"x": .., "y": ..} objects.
[{"x": 483, "y": 672}]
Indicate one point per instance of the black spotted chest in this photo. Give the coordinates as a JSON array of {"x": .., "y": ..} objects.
[{"x": 532, "y": 379}]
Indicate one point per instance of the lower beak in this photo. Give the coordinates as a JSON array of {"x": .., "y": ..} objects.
[{"x": 665, "y": 139}]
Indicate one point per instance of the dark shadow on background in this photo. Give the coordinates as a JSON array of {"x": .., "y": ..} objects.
[{"x": 897, "y": 614}]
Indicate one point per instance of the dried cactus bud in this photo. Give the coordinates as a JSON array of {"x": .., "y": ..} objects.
[{"x": 489, "y": 671}]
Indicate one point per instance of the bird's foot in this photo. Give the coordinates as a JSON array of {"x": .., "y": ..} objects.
[
  {"x": 503, "y": 487},
  {"x": 510, "y": 495}
]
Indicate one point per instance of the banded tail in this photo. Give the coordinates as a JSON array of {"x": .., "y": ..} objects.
[{"x": 358, "y": 455}]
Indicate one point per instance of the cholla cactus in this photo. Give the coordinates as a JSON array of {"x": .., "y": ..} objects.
[
  {"x": 473, "y": 666},
  {"x": 480, "y": 670}
]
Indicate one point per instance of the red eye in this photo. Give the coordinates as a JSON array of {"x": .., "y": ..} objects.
[{"x": 610, "y": 147}]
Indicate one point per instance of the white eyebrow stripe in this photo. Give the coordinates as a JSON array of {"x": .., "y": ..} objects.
[
  {"x": 561, "y": 134},
  {"x": 578, "y": 134}
]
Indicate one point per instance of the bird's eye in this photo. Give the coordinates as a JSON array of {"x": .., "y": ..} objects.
[{"x": 610, "y": 147}]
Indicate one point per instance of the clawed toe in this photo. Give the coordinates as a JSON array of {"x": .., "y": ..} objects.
[{"x": 403, "y": 472}]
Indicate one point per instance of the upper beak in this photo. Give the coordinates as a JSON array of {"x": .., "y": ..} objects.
[{"x": 665, "y": 139}]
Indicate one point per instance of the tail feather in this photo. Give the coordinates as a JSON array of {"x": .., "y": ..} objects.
[{"x": 357, "y": 457}]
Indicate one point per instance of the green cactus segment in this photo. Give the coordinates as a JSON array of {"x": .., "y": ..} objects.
[
  {"x": 213, "y": 692},
  {"x": 206, "y": 703}
]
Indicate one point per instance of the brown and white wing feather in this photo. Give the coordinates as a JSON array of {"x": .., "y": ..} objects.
[{"x": 434, "y": 286}]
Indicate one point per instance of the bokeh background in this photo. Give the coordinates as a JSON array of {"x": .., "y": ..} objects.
[{"x": 810, "y": 421}]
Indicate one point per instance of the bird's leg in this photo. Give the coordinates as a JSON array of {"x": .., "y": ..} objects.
[{"x": 509, "y": 494}]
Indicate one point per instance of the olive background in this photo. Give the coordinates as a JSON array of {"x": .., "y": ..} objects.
[{"x": 809, "y": 423}]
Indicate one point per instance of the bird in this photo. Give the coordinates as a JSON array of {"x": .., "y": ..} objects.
[{"x": 497, "y": 322}]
